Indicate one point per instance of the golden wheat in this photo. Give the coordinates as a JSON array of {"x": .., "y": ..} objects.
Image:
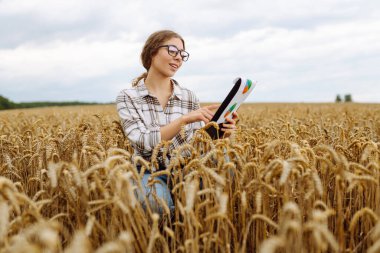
[{"x": 292, "y": 178}]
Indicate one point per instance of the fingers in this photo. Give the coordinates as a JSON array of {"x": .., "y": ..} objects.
[
  {"x": 235, "y": 115},
  {"x": 212, "y": 107},
  {"x": 231, "y": 121},
  {"x": 229, "y": 126},
  {"x": 204, "y": 119},
  {"x": 207, "y": 113}
]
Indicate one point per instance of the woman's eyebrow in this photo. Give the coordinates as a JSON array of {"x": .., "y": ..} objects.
[{"x": 177, "y": 47}]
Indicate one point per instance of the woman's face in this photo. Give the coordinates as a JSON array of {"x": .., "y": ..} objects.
[{"x": 164, "y": 63}]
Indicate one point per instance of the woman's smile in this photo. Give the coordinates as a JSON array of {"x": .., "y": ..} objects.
[{"x": 174, "y": 66}]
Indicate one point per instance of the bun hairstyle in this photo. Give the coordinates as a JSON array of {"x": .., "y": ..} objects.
[{"x": 150, "y": 49}]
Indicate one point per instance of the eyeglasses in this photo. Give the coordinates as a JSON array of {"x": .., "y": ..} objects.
[{"x": 173, "y": 51}]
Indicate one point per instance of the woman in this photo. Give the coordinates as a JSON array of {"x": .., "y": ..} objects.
[{"x": 156, "y": 107}]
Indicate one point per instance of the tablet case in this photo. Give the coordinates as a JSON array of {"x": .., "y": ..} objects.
[{"x": 239, "y": 92}]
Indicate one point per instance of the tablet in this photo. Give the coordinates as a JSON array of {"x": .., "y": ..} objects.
[{"x": 239, "y": 92}]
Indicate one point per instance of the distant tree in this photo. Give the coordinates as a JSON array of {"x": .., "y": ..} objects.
[
  {"x": 338, "y": 99},
  {"x": 347, "y": 98},
  {"x": 5, "y": 103}
]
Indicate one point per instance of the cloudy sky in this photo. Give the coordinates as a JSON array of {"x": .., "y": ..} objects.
[{"x": 88, "y": 50}]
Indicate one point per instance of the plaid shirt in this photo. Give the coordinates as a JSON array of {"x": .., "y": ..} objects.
[{"x": 142, "y": 116}]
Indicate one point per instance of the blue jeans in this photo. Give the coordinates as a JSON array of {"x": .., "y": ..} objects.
[
  {"x": 159, "y": 189},
  {"x": 162, "y": 190}
]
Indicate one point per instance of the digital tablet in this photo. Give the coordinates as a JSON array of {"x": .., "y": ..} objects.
[{"x": 239, "y": 92}]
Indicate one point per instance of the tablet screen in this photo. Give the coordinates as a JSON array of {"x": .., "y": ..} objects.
[{"x": 239, "y": 92}]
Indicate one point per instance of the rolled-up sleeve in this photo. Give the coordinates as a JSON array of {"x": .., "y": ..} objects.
[{"x": 143, "y": 138}]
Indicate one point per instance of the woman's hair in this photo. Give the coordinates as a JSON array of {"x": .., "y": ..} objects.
[{"x": 151, "y": 47}]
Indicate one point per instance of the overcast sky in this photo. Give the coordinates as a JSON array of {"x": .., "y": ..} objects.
[{"x": 89, "y": 50}]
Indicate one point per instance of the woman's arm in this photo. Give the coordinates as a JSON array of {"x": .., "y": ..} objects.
[{"x": 204, "y": 114}]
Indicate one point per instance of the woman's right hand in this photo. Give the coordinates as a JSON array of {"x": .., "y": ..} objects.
[{"x": 204, "y": 114}]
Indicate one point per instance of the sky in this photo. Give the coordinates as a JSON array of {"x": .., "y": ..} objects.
[{"x": 89, "y": 50}]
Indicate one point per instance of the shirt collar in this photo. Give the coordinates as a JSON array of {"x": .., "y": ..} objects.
[
  {"x": 177, "y": 90},
  {"x": 143, "y": 90}
]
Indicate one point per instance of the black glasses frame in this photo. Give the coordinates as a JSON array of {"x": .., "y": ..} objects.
[{"x": 184, "y": 55}]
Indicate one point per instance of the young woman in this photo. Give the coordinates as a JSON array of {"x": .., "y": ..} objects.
[{"x": 156, "y": 107}]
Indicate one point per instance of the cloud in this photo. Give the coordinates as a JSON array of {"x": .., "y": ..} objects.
[
  {"x": 42, "y": 19},
  {"x": 70, "y": 60},
  {"x": 88, "y": 50}
]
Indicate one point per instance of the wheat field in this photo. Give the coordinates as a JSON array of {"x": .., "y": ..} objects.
[{"x": 300, "y": 178}]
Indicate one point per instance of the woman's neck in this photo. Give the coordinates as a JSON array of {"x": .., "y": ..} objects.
[{"x": 158, "y": 84}]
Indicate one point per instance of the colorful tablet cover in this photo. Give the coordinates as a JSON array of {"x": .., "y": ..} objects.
[{"x": 239, "y": 92}]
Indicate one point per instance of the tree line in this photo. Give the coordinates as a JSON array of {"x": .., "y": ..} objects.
[
  {"x": 347, "y": 98},
  {"x": 5, "y": 103}
]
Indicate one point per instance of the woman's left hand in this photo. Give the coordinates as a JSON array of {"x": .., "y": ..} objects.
[{"x": 230, "y": 127}]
